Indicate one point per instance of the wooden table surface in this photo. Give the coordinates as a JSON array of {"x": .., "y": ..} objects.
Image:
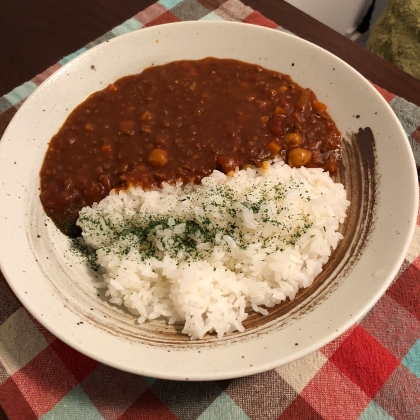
[{"x": 36, "y": 34}]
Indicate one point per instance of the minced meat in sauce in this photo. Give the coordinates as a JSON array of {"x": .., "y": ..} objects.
[{"x": 179, "y": 122}]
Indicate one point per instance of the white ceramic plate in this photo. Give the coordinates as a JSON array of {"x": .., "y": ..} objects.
[{"x": 58, "y": 290}]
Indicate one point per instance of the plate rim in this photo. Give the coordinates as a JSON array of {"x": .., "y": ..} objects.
[{"x": 213, "y": 375}]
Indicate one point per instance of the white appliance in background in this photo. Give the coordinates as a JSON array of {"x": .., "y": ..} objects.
[{"x": 341, "y": 15}]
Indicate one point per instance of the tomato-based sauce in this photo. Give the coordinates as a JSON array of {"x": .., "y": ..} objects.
[{"x": 179, "y": 122}]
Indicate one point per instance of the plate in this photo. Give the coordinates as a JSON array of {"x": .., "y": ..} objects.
[{"x": 57, "y": 289}]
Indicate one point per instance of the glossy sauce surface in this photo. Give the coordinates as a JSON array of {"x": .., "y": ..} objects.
[{"x": 179, "y": 122}]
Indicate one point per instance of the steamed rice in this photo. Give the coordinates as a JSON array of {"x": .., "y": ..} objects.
[{"x": 205, "y": 255}]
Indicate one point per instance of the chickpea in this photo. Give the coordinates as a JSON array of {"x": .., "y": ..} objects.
[
  {"x": 293, "y": 140},
  {"x": 158, "y": 157},
  {"x": 298, "y": 157}
]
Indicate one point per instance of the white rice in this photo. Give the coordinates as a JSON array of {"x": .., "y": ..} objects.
[{"x": 205, "y": 255}]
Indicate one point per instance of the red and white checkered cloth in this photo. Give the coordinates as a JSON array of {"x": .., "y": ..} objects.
[{"x": 370, "y": 372}]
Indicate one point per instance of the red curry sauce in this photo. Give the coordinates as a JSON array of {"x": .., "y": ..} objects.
[{"x": 179, "y": 122}]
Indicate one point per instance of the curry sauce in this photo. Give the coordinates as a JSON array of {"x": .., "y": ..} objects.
[{"x": 177, "y": 123}]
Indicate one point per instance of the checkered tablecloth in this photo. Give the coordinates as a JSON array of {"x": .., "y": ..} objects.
[{"x": 370, "y": 372}]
